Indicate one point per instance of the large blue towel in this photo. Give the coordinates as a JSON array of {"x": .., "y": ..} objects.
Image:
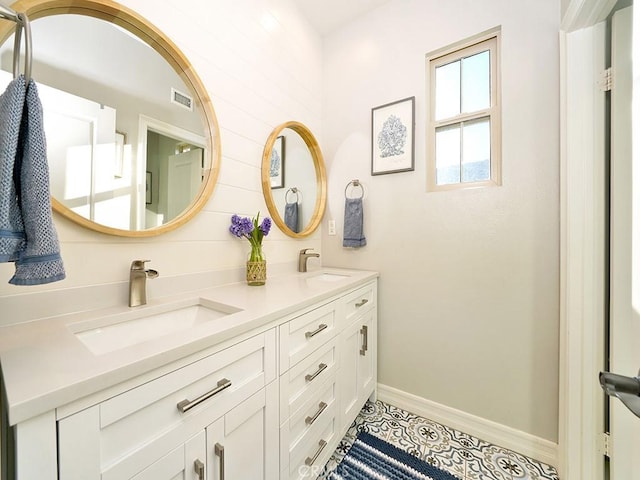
[{"x": 38, "y": 258}]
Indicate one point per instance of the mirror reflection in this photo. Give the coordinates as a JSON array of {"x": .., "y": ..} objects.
[
  {"x": 127, "y": 142},
  {"x": 294, "y": 179}
]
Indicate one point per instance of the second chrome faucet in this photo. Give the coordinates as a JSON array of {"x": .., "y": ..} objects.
[
  {"x": 138, "y": 282},
  {"x": 302, "y": 259}
]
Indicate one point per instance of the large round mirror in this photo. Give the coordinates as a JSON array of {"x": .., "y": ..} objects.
[
  {"x": 132, "y": 138},
  {"x": 294, "y": 180}
]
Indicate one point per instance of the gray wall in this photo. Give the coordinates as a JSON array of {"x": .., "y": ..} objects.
[{"x": 469, "y": 289}]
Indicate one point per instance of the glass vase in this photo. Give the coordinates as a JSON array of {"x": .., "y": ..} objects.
[{"x": 256, "y": 266}]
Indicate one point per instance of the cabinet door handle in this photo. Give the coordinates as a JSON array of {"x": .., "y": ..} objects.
[
  {"x": 219, "y": 451},
  {"x": 310, "y": 376},
  {"x": 198, "y": 466},
  {"x": 321, "y": 408},
  {"x": 186, "y": 405},
  {"x": 364, "y": 301},
  {"x": 320, "y": 328},
  {"x": 309, "y": 461},
  {"x": 365, "y": 339}
]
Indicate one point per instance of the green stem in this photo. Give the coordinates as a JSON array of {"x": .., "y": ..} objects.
[{"x": 256, "y": 251}]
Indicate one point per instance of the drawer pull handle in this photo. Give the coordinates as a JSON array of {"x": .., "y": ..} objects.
[
  {"x": 365, "y": 340},
  {"x": 321, "y": 408},
  {"x": 364, "y": 301},
  {"x": 198, "y": 466},
  {"x": 219, "y": 451},
  {"x": 310, "y": 376},
  {"x": 320, "y": 328},
  {"x": 186, "y": 405},
  {"x": 309, "y": 461}
]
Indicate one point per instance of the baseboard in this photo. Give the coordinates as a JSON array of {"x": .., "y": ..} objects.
[{"x": 524, "y": 443}]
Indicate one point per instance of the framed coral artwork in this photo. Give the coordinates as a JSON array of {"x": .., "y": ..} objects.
[{"x": 392, "y": 137}]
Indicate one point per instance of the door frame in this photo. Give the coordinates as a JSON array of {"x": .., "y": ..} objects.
[{"x": 583, "y": 243}]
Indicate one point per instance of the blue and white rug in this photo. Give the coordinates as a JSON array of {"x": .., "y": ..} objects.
[{"x": 373, "y": 459}]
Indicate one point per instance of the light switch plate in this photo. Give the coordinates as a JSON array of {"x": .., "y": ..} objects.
[{"x": 332, "y": 227}]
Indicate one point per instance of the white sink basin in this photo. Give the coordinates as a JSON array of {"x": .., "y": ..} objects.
[
  {"x": 124, "y": 330},
  {"x": 327, "y": 277}
]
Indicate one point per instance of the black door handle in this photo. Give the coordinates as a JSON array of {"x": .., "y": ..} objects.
[{"x": 627, "y": 389}]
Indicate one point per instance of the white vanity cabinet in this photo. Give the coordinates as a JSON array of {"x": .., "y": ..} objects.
[
  {"x": 168, "y": 427},
  {"x": 266, "y": 402}
]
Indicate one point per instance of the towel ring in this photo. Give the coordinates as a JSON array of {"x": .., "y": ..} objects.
[
  {"x": 22, "y": 23},
  {"x": 294, "y": 190},
  {"x": 355, "y": 183}
]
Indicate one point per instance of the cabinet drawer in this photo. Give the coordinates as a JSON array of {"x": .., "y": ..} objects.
[
  {"x": 138, "y": 427},
  {"x": 313, "y": 411},
  {"x": 360, "y": 301},
  {"x": 308, "y": 456},
  {"x": 302, "y": 335},
  {"x": 306, "y": 378}
]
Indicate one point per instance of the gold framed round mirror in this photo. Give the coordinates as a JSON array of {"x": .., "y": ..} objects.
[
  {"x": 294, "y": 179},
  {"x": 132, "y": 136}
]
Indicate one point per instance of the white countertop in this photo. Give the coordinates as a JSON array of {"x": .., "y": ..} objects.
[{"x": 45, "y": 366}]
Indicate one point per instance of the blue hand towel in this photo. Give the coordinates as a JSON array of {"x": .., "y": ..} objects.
[
  {"x": 291, "y": 216},
  {"x": 11, "y": 227},
  {"x": 39, "y": 260},
  {"x": 353, "y": 235}
]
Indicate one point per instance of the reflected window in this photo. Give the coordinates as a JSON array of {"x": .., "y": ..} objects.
[{"x": 464, "y": 127}]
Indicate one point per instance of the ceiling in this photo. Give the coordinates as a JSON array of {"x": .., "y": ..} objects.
[{"x": 328, "y": 15}]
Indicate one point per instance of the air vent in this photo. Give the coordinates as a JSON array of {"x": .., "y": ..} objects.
[{"x": 182, "y": 99}]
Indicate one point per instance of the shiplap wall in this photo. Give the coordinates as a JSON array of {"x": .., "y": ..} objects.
[{"x": 261, "y": 64}]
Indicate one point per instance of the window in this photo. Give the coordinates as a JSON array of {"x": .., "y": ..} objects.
[{"x": 464, "y": 117}]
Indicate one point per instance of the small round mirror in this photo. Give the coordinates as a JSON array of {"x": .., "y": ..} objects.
[{"x": 294, "y": 179}]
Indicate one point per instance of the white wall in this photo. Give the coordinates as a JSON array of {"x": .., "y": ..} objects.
[
  {"x": 469, "y": 289},
  {"x": 257, "y": 78}
]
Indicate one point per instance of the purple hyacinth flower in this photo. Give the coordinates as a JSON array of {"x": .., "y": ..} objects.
[{"x": 265, "y": 226}]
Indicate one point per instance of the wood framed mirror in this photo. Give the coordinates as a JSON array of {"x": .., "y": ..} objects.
[
  {"x": 132, "y": 137},
  {"x": 294, "y": 179}
]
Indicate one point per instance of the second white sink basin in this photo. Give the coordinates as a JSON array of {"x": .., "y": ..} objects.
[
  {"x": 131, "y": 328},
  {"x": 327, "y": 277}
]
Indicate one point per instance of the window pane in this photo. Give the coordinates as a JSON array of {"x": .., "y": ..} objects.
[
  {"x": 476, "y": 81},
  {"x": 476, "y": 150},
  {"x": 447, "y": 90},
  {"x": 448, "y": 155}
]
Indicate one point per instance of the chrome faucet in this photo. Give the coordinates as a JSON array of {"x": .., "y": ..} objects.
[
  {"x": 302, "y": 259},
  {"x": 138, "y": 282}
]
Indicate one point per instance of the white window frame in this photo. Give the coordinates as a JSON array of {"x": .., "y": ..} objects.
[{"x": 485, "y": 41}]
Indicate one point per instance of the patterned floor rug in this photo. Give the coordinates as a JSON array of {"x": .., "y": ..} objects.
[{"x": 373, "y": 459}]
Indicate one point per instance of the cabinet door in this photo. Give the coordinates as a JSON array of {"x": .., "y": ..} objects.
[
  {"x": 367, "y": 357},
  {"x": 244, "y": 443},
  {"x": 350, "y": 341},
  {"x": 183, "y": 463},
  {"x": 357, "y": 365}
]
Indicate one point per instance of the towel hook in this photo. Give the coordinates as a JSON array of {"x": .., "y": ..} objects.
[
  {"x": 294, "y": 190},
  {"x": 356, "y": 183},
  {"x": 28, "y": 55},
  {"x": 22, "y": 23}
]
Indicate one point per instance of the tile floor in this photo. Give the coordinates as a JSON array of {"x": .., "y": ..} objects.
[{"x": 464, "y": 456}]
